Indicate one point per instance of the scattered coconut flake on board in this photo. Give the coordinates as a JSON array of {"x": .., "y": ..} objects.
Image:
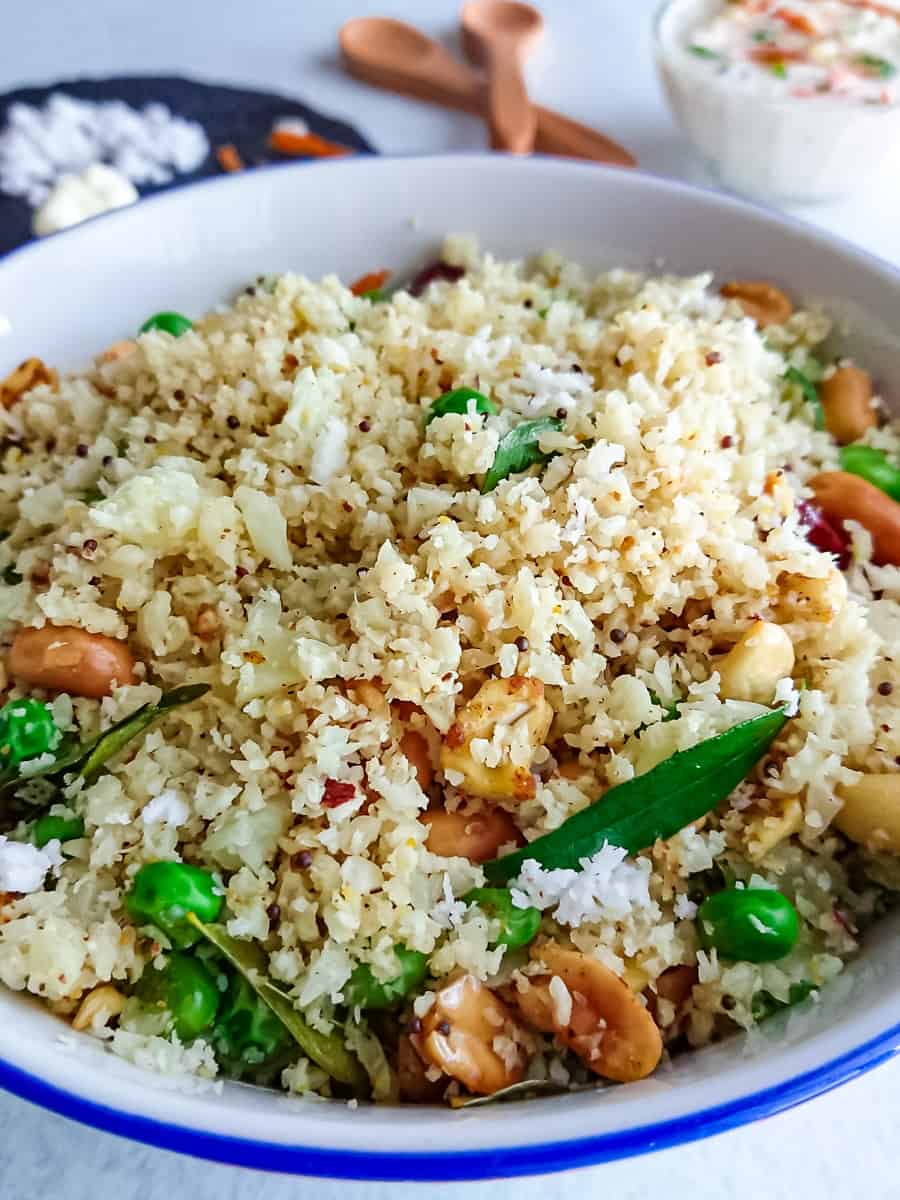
[
  {"x": 293, "y": 125},
  {"x": 605, "y": 888},
  {"x": 64, "y": 136},
  {"x": 74, "y": 198}
]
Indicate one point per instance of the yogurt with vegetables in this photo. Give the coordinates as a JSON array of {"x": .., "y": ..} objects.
[
  {"x": 787, "y": 100},
  {"x": 805, "y": 50}
]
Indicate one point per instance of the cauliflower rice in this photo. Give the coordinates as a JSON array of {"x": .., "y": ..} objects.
[{"x": 259, "y": 505}]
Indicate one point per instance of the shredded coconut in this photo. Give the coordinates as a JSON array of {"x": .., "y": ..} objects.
[
  {"x": 448, "y": 912},
  {"x": 64, "y": 136},
  {"x": 788, "y": 695},
  {"x": 74, "y": 198},
  {"x": 168, "y": 808},
  {"x": 24, "y": 867},
  {"x": 562, "y": 1002},
  {"x": 606, "y": 888}
]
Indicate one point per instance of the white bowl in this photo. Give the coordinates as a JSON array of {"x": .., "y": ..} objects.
[
  {"x": 195, "y": 247},
  {"x": 770, "y": 147}
]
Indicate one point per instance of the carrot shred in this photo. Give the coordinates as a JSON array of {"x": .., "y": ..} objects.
[
  {"x": 794, "y": 20},
  {"x": 228, "y": 158},
  {"x": 775, "y": 54},
  {"x": 310, "y": 145},
  {"x": 369, "y": 283}
]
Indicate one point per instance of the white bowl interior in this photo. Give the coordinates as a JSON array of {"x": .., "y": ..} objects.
[{"x": 194, "y": 248}]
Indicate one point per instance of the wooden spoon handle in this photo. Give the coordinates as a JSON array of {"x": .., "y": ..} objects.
[
  {"x": 441, "y": 79},
  {"x": 557, "y": 134},
  {"x": 511, "y": 118},
  {"x": 451, "y": 84}
]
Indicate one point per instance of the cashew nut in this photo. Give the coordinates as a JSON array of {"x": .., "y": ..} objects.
[
  {"x": 116, "y": 351},
  {"x": 764, "y": 302},
  {"x": 513, "y": 716},
  {"x": 475, "y": 836},
  {"x": 668, "y": 1002},
  {"x": 753, "y": 666},
  {"x": 365, "y": 691},
  {"x": 415, "y": 747},
  {"x": 806, "y": 598},
  {"x": 459, "y": 1033},
  {"x": 871, "y": 812},
  {"x": 608, "y": 1027},
  {"x": 98, "y": 1008},
  {"x": 26, "y": 376},
  {"x": 847, "y": 403},
  {"x": 66, "y": 659},
  {"x": 763, "y": 832},
  {"x": 207, "y": 625},
  {"x": 845, "y": 497},
  {"x": 676, "y": 984},
  {"x": 412, "y": 1081}
]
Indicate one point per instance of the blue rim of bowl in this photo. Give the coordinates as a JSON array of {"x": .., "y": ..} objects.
[{"x": 460, "y": 1166}]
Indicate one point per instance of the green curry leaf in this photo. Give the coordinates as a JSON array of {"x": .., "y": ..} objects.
[
  {"x": 88, "y": 759},
  {"x": 326, "y": 1050},
  {"x": 519, "y": 449},
  {"x": 635, "y": 814},
  {"x": 810, "y": 394}
]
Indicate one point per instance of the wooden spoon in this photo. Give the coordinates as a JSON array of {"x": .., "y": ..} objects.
[
  {"x": 393, "y": 55},
  {"x": 500, "y": 34}
]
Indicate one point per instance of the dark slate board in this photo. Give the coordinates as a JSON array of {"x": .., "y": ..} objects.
[{"x": 228, "y": 114}]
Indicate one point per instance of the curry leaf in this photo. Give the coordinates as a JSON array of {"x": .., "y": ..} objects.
[
  {"x": 634, "y": 814},
  {"x": 519, "y": 449},
  {"x": 119, "y": 735},
  {"x": 87, "y": 759},
  {"x": 458, "y": 401},
  {"x": 326, "y": 1050},
  {"x": 520, "y": 1091},
  {"x": 810, "y": 394}
]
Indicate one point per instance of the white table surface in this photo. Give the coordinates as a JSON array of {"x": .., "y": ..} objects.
[{"x": 596, "y": 65}]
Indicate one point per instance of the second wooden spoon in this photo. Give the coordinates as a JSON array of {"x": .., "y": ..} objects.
[
  {"x": 499, "y": 34},
  {"x": 398, "y": 57}
]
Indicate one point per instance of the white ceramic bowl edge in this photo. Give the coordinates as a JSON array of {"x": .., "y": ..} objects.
[{"x": 195, "y": 247}]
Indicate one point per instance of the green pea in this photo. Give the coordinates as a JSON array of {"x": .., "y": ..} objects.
[
  {"x": 167, "y": 322},
  {"x": 518, "y": 926},
  {"x": 62, "y": 829},
  {"x": 363, "y": 990},
  {"x": 27, "y": 730},
  {"x": 458, "y": 402},
  {"x": 873, "y": 466},
  {"x": 748, "y": 924},
  {"x": 163, "y": 893},
  {"x": 246, "y": 1032},
  {"x": 184, "y": 987}
]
